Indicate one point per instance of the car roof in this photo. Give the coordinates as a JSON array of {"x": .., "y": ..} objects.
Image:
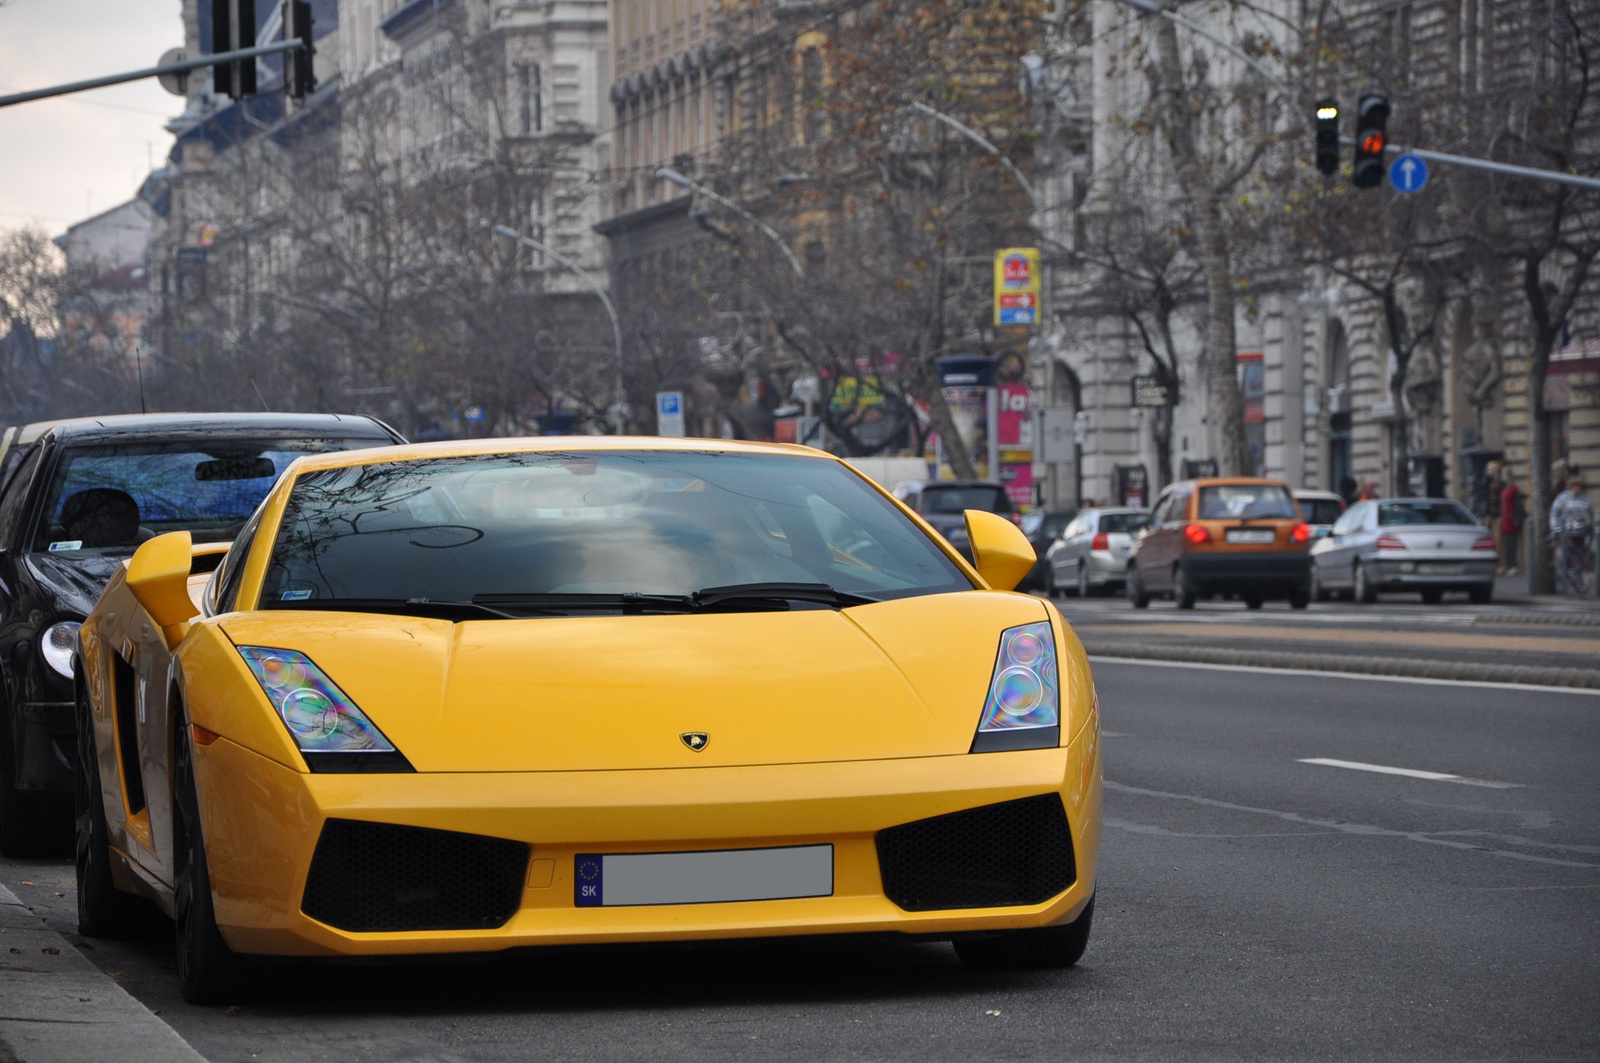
[
  {"x": 166, "y": 425},
  {"x": 1229, "y": 481},
  {"x": 1308, "y": 492},
  {"x": 461, "y": 448}
]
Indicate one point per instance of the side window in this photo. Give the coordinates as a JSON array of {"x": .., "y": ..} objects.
[
  {"x": 231, "y": 573},
  {"x": 1177, "y": 507},
  {"x": 1163, "y": 507},
  {"x": 11, "y": 505}
]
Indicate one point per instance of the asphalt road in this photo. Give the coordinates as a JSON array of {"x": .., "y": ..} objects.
[{"x": 1251, "y": 906}]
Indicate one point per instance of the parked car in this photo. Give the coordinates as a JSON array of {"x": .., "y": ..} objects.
[
  {"x": 1042, "y": 528},
  {"x": 1239, "y": 536},
  {"x": 944, "y": 503},
  {"x": 80, "y": 498},
  {"x": 1092, "y": 553},
  {"x": 476, "y": 696},
  {"x": 1319, "y": 509},
  {"x": 1426, "y": 545}
]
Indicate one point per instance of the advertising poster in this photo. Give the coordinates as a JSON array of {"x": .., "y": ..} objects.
[
  {"x": 969, "y": 408},
  {"x": 1015, "y": 431}
]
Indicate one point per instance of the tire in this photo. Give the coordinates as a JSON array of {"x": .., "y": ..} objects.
[
  {"x": 1182, "y": 593},
  {"x": 1049, "y": 581},
  {"x": 1136, "y": 592},
  {"x": 208, "y": 971},
  {"x": 1084, "y": 590},
  {"x": 1432, "y": 596},
  {"x": 1481, "y": 594},
  {"x": 1300, "y": 599},
  {"x": 1049, "y": 946},
  {"x": 1361, "y": 588},
  {"x": 103, "y": 910},
  {"x": 1252, "y": 601}
]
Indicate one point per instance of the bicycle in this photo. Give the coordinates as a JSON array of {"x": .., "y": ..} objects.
[{"x": 1572, "y": 558}]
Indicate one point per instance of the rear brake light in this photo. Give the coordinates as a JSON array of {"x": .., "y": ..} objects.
[
  {"x": 1101, "y": 541},
  {"x": 1300, "y": 533},
  {"x": 1196, "y": 533},
  {"x": 1389, "y": 542},
  {"x": 1485, "y": 542}
]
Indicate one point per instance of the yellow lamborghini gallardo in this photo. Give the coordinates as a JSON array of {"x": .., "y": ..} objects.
[{"x": 472, "y": 696}]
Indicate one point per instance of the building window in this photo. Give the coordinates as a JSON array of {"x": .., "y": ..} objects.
[
  {"x": 814, "y": 122},
  {"x": 529, "y": 95}
]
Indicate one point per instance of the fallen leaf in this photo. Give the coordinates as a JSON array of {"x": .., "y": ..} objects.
[
  {"x": 233, "y": 1009},
  {"x": 51, "y": 951},
  {"x": 61, "y": 895},
  {"x": 992, "y": 1011},
  {"x": 16, "y": 950}
]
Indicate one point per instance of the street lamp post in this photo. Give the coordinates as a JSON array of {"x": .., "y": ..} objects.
[
  {"x": 982, "y": 142},
  {"x": 619, "y": 407},
  {"x": 716, "y": 197}
]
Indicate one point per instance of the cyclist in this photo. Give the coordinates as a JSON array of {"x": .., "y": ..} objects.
[{"x": 1572, "y": 526}]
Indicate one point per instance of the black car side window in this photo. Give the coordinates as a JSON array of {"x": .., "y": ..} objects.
[
  {"x": 231, "y": 574},
  {"x": 16, "y": 496}
]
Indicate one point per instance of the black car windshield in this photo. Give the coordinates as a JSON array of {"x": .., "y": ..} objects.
[
  {"x": 619, "y": 523},
  {"x": 109, "y": 498},
  {"x": 960, "y": 499},
  {"x": 1127, "y": 523},
  {"x": 1245, "y": 502},
  {"x": 1321, "y": 510},
  {"x": 1393, "y": 513}
]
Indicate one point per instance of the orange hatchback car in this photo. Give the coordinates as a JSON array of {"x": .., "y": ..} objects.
[{"x": 1235, "y": 536}]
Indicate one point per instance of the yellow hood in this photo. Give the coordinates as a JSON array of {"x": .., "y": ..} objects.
[{"x": 894, "y": 679}]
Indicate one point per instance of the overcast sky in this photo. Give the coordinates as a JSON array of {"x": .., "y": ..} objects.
[{"x": 65, "y": 158}]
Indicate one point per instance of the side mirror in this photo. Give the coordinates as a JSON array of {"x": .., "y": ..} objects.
[
  {"x": 1000, "y": 551},
  {"x": 158, "y": 576}
]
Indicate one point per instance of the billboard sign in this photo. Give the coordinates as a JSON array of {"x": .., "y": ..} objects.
[{"x": 1016, "y": 286}]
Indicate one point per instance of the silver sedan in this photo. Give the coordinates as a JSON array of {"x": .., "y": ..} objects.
[
  {"x": 1424, "y": 545},
  {"x": 1092, "y": 553}
]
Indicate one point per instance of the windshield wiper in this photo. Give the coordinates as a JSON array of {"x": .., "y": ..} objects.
[
  {"x": 821, "y": 593},
  {"x": 438, "y": 610},
  {"x": 573, "y": 601}
]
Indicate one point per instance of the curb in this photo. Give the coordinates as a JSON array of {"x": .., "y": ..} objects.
[
  {"x": 1409, "y": 667},
  {"x": 57, "y": 1007},
  {"x": 1568, "y": 618}
]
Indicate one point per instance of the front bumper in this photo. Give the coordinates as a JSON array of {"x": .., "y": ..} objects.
[
  {"x": 1442, "y": 572},
  {"x": 1263, "y": 572},
  {"x": 262, "y": 823},
  {"x": 46, "y": 746}
]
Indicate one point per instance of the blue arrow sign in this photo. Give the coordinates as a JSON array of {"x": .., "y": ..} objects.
[{"x": 1408, "y": 173}]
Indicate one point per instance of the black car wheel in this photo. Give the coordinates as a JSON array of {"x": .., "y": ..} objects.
[
  {"x": 208, "y": 970},
  {"x": 1049, "y": 946},
  {"x": 103, "y": 910},
  {"x": 1432, "y": 595},
  {"x": 1183, "y": 591},
  {"x": 1481, "y": 593},
  {"x": 25, "y": 819},
  {"x": 1362, "y": 589}
]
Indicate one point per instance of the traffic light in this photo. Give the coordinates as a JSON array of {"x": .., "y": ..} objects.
[
  {"x": 299, "y": 79},
  {"x": 1372, "y": 115},
  {"x": 1328, "y": 135},
  {"x": 233, "y": 27}
]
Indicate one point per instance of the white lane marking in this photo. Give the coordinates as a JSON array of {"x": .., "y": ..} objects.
[
  {"x": 1410, "y": 773},
  {"x": 1115, "y": 734},
  {"x": 1260, "y": 670}
]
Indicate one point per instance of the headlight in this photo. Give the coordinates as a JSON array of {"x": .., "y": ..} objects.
[
  {"x": 320, "y": 717},
  {"x": 1023, "y": 710},
  {"x": 59, "y": 644}
]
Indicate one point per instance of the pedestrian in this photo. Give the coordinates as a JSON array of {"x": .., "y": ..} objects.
[
  {"x": 1369, "y": 491},
  {"x": 1571, "y": 525},
  {"x": 1347, "y": 490},
  {"x": 1508, "y": 527}
]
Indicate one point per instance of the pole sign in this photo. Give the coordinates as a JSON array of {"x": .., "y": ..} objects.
[
  {"x": 1408, "y": 173},
  {"x": 1016, "y": 286},
  {"x": 1149, "y": 391},
  {"x": 669, "y": 413}
]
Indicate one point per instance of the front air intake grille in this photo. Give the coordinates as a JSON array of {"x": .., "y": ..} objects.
[
  {"x": 379, "y": 876},
  {"x": 1017, "y": 852}
]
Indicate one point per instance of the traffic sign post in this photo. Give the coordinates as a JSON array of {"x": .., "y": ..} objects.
[
  {"x": 669, "y": 413},
  {"x": 1408, "y": 173}
]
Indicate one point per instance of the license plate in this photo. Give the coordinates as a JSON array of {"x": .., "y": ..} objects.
[
  {"x": 624, "y": 879},
  {"x": 1441, "y": 570},
  {"x": 1251, "y": 535}
]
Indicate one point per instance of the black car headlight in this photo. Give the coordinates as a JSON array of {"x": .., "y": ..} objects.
[{"x": 58, "y": 645}]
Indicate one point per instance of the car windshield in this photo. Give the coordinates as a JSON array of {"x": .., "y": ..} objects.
[
  {"x": 1320, "y": 510},
  {"x": 109, "y": 498},
  {"x": 616, "y": 523},
  {"x": 1126, "y": 523},
  {"x": 1245, "y": 502},
  {"x": 961, "y": 499},
  {"x": 1395, "y": 513}
]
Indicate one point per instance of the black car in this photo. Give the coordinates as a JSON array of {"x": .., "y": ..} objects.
[
  {"x": 1042, "y": 528},
  {"x": 944, "y": 503},
  {"x": 74, "y": 505}
]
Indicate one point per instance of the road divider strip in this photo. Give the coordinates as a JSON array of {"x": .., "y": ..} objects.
[
  {"x": 1410, "y": 773},
  {"x": 1477, "y": 673}
]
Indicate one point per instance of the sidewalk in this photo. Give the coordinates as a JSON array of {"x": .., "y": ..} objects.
[
  {"x": 57, "y": 1007},
  {"x": 1513, "y": 590}
]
